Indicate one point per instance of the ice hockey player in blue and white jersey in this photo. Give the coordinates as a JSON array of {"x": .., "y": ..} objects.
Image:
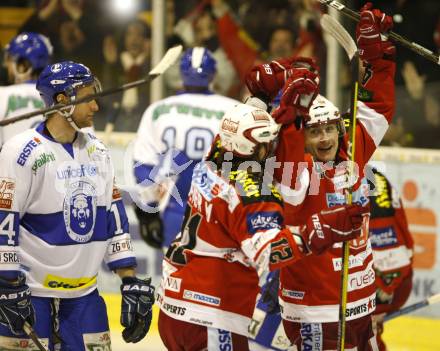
[
  {"x": 60, "y": 217},
  {"x": 174, "y": 135},
  {"x": 25, "y": 57}
]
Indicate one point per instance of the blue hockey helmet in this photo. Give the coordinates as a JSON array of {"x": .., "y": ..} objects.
[
  {"x": 64, "y": 77},
  {"x": 197, "y": 67},
  {"x": 33, "y": 47}
]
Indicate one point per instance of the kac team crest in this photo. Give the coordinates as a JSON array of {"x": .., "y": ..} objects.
[{"x": 80, "y": 206}]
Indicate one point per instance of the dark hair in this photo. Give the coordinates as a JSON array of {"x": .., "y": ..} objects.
[{"x": 289, "y": 29}]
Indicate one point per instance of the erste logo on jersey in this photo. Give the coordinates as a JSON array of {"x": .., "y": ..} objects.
[
  {"x": 80, "y": 205},
  {"x": 264, "y": 220},
  {"x": 27, "y": 150}
]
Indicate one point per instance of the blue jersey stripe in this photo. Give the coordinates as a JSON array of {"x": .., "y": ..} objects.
[{"x": 51, "y": 227}]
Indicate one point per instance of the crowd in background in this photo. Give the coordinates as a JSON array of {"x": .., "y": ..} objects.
[{"x": 240, "y": 34}]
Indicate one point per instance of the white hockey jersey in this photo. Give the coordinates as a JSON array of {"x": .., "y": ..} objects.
[
  {"x": 15, "y": 100},
  {"x": 186, "y": 124},
  {"x": 60, "y": 214}
]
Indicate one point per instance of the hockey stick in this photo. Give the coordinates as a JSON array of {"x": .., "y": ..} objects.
[
  {"x": 336, "y": 30},
  {"x": 417, "y": 48},
  {"x": 170, "y": 57},
  {"x": 34, "y": 337},
  {"x": 429, "y": 301}
]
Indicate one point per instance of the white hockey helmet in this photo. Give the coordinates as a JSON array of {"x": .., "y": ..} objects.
[
  {"x": 323, "y": 111},
  {"x": 243, "y": 127}
]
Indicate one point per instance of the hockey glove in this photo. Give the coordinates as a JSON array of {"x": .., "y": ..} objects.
[
  {"x": 372, "y": 43},
  {"x": 298, "y": 94},
  {"x": 150, "y": 227},
  {"x": 136, "y": 309},
  {"x": 266, "y": 80},
  {"x": 331, "y": 226},
  {"x": 15, "y": 305},
  {"x": 269, "y": 293}
]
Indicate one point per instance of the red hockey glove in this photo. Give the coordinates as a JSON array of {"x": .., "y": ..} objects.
[
  {"x": 298, "y": 94},
  {"x": 331, "y": 226},
  {"x": 372, "y": 45},
  {"x": 266, "y": 80}
]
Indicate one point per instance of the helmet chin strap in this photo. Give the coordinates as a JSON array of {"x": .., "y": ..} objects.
[{"x": 67, "y": 113}]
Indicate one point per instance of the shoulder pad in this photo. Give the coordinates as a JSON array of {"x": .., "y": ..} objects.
[{"x": 252, "y": 190}]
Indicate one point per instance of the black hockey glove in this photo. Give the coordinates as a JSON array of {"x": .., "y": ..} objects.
[
  {"x": 15, "y": 305},
  {"x": 150, "y": 227},
  {"x": 269, "y": 293},
  {"x": 136, "y": 309}
]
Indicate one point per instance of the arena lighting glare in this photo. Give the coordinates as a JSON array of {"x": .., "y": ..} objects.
[{"x": 124, "y": 7}]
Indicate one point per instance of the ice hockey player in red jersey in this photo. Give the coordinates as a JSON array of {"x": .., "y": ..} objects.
[
  {"x": 393, "y": 247},
  {"x": 233, "y": 233},
  {"x": 310, "y": 290}
]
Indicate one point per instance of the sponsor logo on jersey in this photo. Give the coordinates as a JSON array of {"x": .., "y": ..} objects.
[
  {"x": 41, "y": 160},
  {"x": 199, "y": 297},
  {"x": 116, "y": 247},
  {"x": 358, "y": 280},
  {"x": 383, "y": 237},
  {"x": 382, "y": 194},
  {"x": 97, "y": 341},
  {"x": 63, "y": 283},
  {"x": 88, "y": 170},
  {"x": 335, "y": 199},
  {"x": 17, "y": 102},
  {"x": 7, "y": 190},
  {"x": 224, "y": 340},
  {"x": 311, "y": 336},
  {"x": 230, "y": 126},
  {"x": 263, "y": 221},
  {"x": 172, "y": 284},
  {"x": 27, "y": 150},
  {"x": 293, "y": 294},
  {"x": 79, "y": 210},
  {"x": 362, "y": 309},
  {"x": 8, "y": 257},
  {"x": 177, "y": 310}
]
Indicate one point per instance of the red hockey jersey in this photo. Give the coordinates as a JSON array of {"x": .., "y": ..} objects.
[
  {"x": 310, "y": 289},
  {"x": 392, "y": 244},
  {"x": 232, "y": 234}
]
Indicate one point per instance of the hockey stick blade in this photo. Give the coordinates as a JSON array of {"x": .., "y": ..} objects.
[
  {"x": 417, "y": 48},
  {"x": 34, "y": 337},
  {"x": 170, "y": 57},
  {"x": 405, "y": 310},
  {"x": 337, "y": 31}
]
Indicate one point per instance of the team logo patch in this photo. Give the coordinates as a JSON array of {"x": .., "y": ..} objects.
[
  {"x": 383, "y": 237},
  {"x": 7, "y": 190},
  {"x": 55, "y": 68},
  {"x": 80, "y": 206},
  {"x": 263, "y": 221}
]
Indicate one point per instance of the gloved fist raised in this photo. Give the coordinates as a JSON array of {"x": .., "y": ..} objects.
[
  {"x": 298, "y": 94},
  {"x": 372, "y": 44},
  {"x": 338, "y": 224},
  {"x": 15, "y": 305},
  {"x": 266, "y": 80},
  {"x": 136, "y": 308}
]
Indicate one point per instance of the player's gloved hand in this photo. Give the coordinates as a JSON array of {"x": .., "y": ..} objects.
[
  {"x": 136, "y": 309},
  {"x": 266, "y": 80},
  {"x": 383, "y": 297},
  {"x": 298, "y": 94},
  {"x": 372, "y": 43},
  {"x": 341, "y": 223},
  {"x": 15, "y": 305},
  {"x": 269, "y": 293},
  {"x": 150, "y": 227}
]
